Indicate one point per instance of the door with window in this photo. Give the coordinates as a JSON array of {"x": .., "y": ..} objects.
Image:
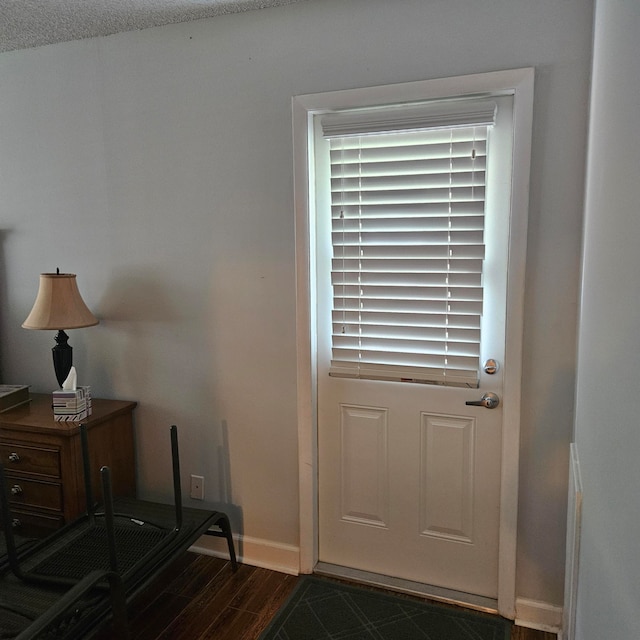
[{"x": 413, "y": 216}]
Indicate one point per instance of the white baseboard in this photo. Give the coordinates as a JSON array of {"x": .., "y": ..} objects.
[
  {"x": 254, "y": 551},
  {"x": 534, "y": 614}
]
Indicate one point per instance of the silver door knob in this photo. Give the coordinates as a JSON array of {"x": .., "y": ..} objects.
[{"x": 489, "y": 400}]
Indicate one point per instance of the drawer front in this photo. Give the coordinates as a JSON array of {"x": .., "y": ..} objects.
[
  {"x": 34, "y": 493},
  {"x": 26, "y": 523},
  {"x": 35, "y": 460}
]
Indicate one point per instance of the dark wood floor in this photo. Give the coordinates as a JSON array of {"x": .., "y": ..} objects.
[{"x": 200, "y": 598}]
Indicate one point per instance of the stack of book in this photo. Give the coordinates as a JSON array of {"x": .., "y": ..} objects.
[
  {"x": 72, "y": 406},
  {"x": 13, "y": 395}
]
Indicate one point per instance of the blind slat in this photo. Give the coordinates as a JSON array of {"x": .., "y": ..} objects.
[
  {"x": 418, "y": 279},
  {"x": 395, "y": 318}
]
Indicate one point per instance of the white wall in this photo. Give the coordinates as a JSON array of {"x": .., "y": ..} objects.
[
  {"x": 608, "y": 398},
  {"x": 157, "y": 166}
]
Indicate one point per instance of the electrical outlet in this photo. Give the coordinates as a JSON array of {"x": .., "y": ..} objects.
[{"x": 197, "y": 487}]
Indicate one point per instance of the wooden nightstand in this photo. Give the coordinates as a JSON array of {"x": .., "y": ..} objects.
[{"x": 43, "y": 460}]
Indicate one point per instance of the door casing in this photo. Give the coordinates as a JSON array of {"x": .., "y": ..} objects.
[{"x": 520, "y": 83}]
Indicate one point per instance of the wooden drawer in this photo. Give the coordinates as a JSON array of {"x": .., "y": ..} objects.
[
  {"x": 34, "y": 460},
  {"x": 37, "y": 525},
  {"x": 34, "y": 493},
  {"x": 43, "y": 458}
]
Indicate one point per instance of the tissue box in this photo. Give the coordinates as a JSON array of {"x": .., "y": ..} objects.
[{"x": 72, "y": 406}]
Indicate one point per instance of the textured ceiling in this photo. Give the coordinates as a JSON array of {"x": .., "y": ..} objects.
[{"x": 32, "y": 23}]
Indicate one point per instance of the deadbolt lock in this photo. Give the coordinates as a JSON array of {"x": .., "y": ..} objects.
[{"x": 490, "y": 366}]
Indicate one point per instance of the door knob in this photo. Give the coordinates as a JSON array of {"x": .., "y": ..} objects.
[{"x": 489, "y": 400}]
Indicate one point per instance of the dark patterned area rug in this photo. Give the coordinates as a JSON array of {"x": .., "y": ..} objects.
[{"x": 321, "y": 609}]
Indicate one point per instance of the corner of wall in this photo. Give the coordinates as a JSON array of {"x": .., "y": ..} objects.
[
  {"x": 253, "y": 551},
  {"x": 542, "y": 616}
]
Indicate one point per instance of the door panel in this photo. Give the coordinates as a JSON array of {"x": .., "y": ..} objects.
[
  {"x": 364, "y": 465},
  {"x": 447, "y": 488},
  {"x": 407, "y": 491}
]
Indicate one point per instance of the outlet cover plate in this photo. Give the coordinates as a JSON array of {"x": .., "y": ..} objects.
[{"x": 197, "y": 487}]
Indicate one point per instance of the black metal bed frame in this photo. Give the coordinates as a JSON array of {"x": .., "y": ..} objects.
[{"x": 91, "y": 568}]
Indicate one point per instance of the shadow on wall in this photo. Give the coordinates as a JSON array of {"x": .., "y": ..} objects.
[
  {"x": 3, "y": 300},
  {"x": 135, "y": 301},
  {"x": 225, "y": 493},
  {"x": 218, "y": 488},
  {"x": 547, "y": 484},
  {"x": 139, "y": 313},
  {"x": 139, "y": 296},
  {"x": 220, "y": 494}
]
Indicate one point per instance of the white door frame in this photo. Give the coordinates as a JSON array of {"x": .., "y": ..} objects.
[{"x": 520, "y": 83}]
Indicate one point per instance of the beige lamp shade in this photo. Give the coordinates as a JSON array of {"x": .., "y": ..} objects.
[{"x": 59, "y": 304}]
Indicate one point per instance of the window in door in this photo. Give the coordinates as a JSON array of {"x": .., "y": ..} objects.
[{"x": 407, "y": 199}]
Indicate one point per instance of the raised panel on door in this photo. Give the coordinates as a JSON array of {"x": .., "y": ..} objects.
[
  {"x": 364, "y": 465},
  {"x": 447, "y": 483}
]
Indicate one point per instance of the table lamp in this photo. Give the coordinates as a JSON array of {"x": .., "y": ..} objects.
[{"x": 59, "y": 306}]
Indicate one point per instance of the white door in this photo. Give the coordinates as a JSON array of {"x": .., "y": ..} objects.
[{"x": 409, "y": 475}]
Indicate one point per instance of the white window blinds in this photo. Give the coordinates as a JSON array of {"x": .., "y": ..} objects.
[{"x": 407, "y": 211}]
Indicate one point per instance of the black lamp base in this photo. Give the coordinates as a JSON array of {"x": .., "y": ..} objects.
[{"x": 62, "y": 357}]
